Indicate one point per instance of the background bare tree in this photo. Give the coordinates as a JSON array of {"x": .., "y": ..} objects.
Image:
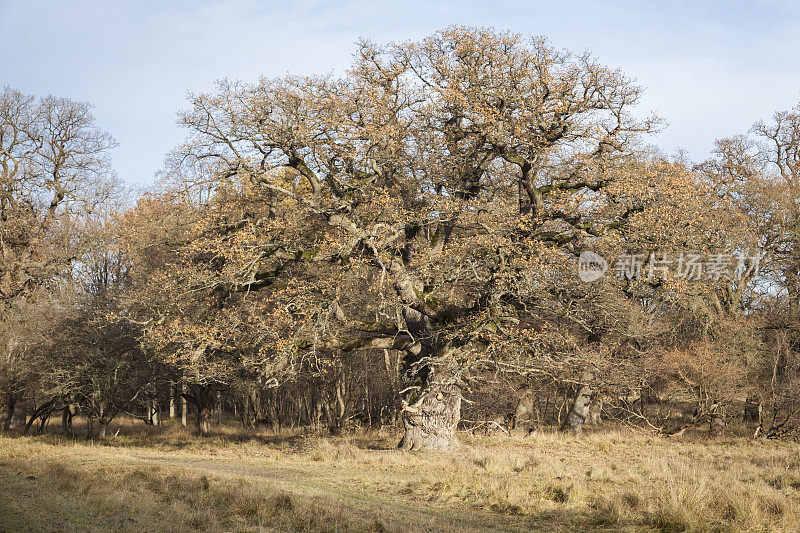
[{"x": 54, "y": 172}]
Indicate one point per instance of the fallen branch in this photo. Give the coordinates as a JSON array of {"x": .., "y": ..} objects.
[{"x": 487, "y": 423}]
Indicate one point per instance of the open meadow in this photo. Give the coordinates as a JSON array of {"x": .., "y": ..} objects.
[{"x": 166, "y": 479}]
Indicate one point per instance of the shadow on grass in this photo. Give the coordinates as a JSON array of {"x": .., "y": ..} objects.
[{"x": 171, "y": 436}]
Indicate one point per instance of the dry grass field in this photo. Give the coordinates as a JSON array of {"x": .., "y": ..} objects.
[{"x": 165, "y": 479}]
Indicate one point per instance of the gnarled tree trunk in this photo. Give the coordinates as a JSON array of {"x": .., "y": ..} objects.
[
  {"x": 716, "y": 421},
  {"x": 579, "y": 410},
  {"x": 431, "y": 418},
  {"x": 204, "y": 398},
  {"x": 431, "y": 422},
  {"x": 203, "y": 420},
  {"x": 525, "y": 417},
  {"x": 432, "y": 397}
]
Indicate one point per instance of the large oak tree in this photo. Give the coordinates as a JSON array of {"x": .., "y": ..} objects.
[{"x": 432, "y": 200}]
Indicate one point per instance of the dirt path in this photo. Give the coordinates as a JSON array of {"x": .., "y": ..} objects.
[{"x": 394, "y": 511}]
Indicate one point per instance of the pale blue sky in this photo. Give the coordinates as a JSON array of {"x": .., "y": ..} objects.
[{"x": 709, "y": 68}]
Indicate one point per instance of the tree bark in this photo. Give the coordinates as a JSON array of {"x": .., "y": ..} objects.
[
  {"x": 104, "y": 418},
  {"x": 218, "y": 408},
  {"x": 596, "y": 411},
  {"x": 153, "y": 408},
  {"x": 184, "y": 407},
  {"x": 96, "y": 427},
  {"x": 525, "y": 415},
  {"x": 203, "y": 398},
  {"x": 579, "y": 411},
  {"x": 432, "y": 397},
  {"x": 716, "y": 421},
  {"x": 338, "y": 407},
  {"x": 204, "y": 420},
  {"x": 11, "y": 404},
  {"x": 66, "y": 418},
  {"x": 431, "y": 421},
  {"x": 171, "y": 400}
]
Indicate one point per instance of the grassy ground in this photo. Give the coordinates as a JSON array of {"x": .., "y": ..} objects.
[{"x": 168, "y": 480}]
